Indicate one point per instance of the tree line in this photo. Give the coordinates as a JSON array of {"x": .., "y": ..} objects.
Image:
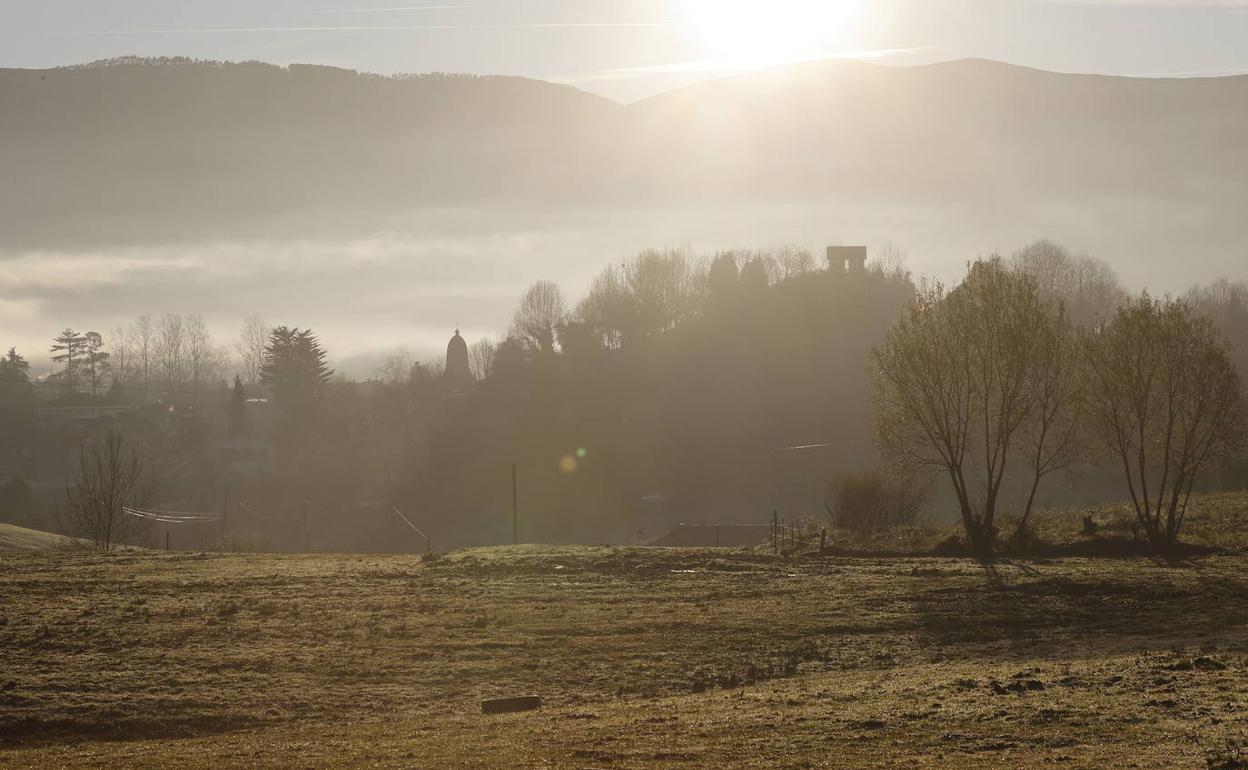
[
  {"x": 683, "y": 386},
  {"x": 997, "y": 372}
]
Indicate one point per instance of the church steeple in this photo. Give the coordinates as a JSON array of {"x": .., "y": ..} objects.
[{"x": 458, "y": 374}]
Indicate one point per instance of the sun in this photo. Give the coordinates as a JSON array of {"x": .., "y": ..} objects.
[{"x": 760, "y": 33}]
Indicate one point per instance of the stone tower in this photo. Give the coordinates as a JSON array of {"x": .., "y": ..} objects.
[
  {"x": 458, "y": 374},
  {"x": 847, "y": 259}
]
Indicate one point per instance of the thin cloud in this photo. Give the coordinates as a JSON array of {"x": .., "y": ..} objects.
[
  {"x": 393, "y": 28},
  {"x": 732, "y": 64},
  {"x": 389, "y": 10},
  {"x": 1237, "y": 6}
]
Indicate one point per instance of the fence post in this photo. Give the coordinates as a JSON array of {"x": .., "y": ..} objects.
[{"x": 307, "y": 526}]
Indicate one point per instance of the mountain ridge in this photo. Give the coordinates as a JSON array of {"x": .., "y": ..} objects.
[{"x": 157, "y": 150}]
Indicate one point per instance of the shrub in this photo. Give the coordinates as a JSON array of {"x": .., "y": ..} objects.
[{"x": 874, "y": 501}]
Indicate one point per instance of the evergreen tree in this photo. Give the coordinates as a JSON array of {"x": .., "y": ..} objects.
[
  {"x": 16, "y": 402},
  {"x": 95, "y": 362},
  {"x": 238, "y": 408},
  {"x": 14, "y": 374},
  {"x": 722, "y": 282},
  {"x": 294, "y": 366},
  {"x": 69, "y": 348},
  {"x": 753, "y": 279}
]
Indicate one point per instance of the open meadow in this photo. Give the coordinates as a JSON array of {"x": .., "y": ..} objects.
[{"x": 643, "y": 657}]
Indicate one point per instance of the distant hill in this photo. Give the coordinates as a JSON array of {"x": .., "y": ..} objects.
[
  {"x": 972, "y": 127},
  {"x": 104, "y": 151},
  {"x": 138, "y": 150}
]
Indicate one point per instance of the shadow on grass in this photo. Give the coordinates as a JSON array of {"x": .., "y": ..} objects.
[
  {"x": 31, "y": 733},
  {"x": 1174, "y": 604}
]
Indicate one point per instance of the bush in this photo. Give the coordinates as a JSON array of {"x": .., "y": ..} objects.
[
  {"x": 15, "y": 501},
  {"x": 874, "y": 501}
]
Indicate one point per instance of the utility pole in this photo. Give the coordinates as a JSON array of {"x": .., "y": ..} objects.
[
  {"x": 775, "y": 531},
  {"x": 515, "y": 508}
]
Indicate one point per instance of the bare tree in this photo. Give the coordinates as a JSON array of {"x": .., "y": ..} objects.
[
  {"x": 109, "y": 477},
  {"x": 96, "y": 364},
  {"x": 123, "y": 358},
  {"x": 794, "y": 261},
  {"x": 1165, "y": 400},
  {"x": 206, "y": 362},
  {"x": 953, "y": 386},
  {"x": 889, "y": 261},
  {"x": 252, "y": 338},
  {"x": 609, "y": 311},
  {"x": 1054, "y": 437},
  {"x": 481, "y": 358},
  {"x": 663, "y": 285},
  {"x": 396, "y": 368},
  {"x": 537, "y": 320},
  {"x": 133, "y": 349},
  {"x": 1088, "y": 287},
  {"x": 142, "y": 341},
  {"x": 1225, "y": 303},
  {"x": 170, "y": 350}
]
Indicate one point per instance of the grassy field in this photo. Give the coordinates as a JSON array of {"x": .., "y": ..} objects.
[{"x": 646, "y": 658}]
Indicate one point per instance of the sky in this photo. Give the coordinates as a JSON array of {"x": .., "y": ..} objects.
[{"x": 629, "y": 49}]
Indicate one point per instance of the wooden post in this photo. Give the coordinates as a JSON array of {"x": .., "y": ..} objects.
[
  {"x": 823, "y": 539},
  {"x": 307, "y": 526},
  {"x": 716, "y": 535},
  {"x": 775, "y": 531},
  {"x": 515, "y": 508},
  {"x": 225, "y": 517},
  {"x": 166, "y": 538}
]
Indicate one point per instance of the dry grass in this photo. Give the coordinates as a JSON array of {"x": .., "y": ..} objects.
[
  {"x": 15, "y": 538},
  {"x": 1214, "y": 521},
  {"x": 646, "y": 658}
]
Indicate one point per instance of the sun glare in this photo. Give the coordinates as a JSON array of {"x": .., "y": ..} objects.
[{"x": 760, "y": 33}]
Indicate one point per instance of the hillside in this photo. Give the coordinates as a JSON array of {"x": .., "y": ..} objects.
[
  {"x": 976, "y": 128},
  {"x": 106, "y": 152},
  {"x": 139, "y": 151},
  {"x": 15, "y": 538}
]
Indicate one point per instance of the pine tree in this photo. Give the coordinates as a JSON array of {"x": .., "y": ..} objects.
[
  {"x": 294, "y": 366},
  {"x": 69, "y": 348},
  {"x": 16, "y": 400},
  {"x": 14, "y": 372},
  {"x": 238, "y": 408},
  {"x": 95, "y": 362}
]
